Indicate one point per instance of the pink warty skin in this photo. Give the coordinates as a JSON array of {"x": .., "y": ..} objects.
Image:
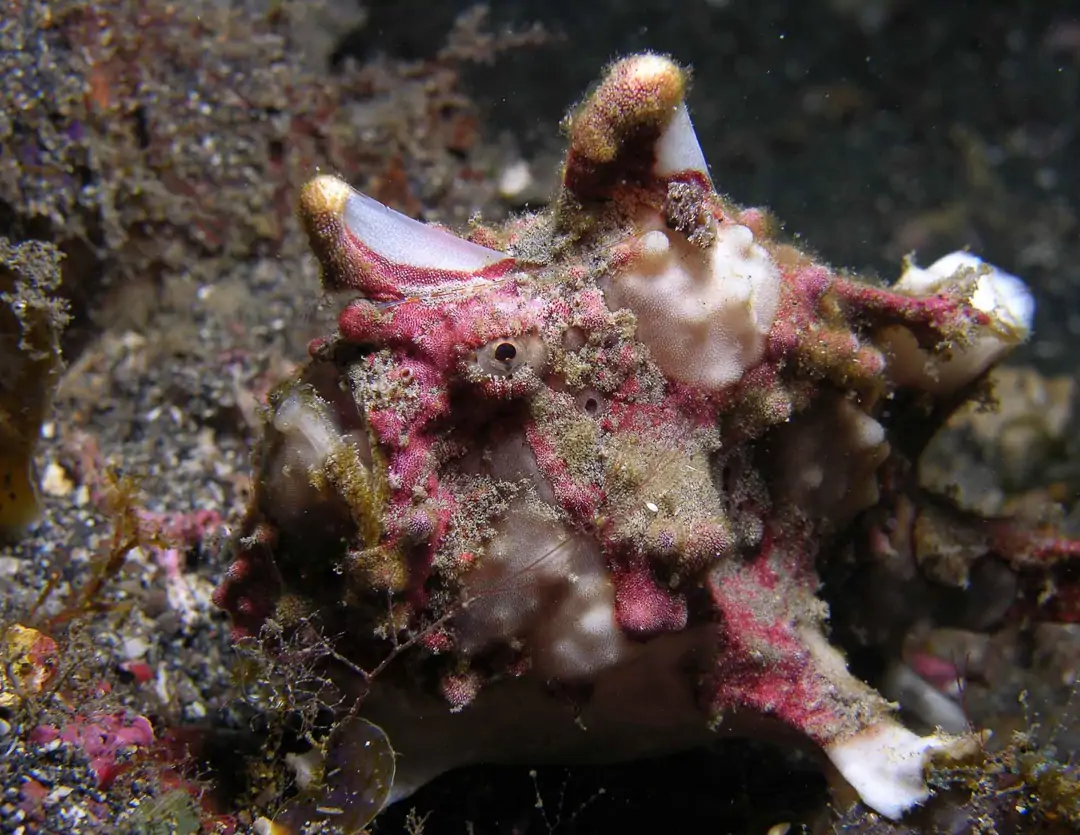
[{"x": 589, "y": 464}]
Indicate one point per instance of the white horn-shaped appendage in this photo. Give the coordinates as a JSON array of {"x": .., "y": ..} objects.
[
  {"x": 1001, "y": 295},
  {"x": 678, "y": 150},
  {"x": 634, "y": 123},
  {"x": 366, "y": 246},
  {"x": 1004, "y": 299},
  {"x": 885, "y": 764}
]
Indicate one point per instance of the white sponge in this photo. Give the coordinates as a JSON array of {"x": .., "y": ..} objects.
[{"x": 703, "y": 313}]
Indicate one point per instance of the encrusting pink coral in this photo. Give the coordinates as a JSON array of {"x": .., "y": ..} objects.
[{"x": 605, "y": 448}]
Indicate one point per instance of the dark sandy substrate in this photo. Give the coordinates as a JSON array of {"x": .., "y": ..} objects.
[{"x": 870, "y": 128}]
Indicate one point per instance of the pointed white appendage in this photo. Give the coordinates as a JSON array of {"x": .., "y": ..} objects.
[
  {"x": 401, "y": 240},
  {"x": 678, "y": 149},
  {"x": 885, "y": 764},
  {"x": 1003, "y": 297},
  {"x": 997, "y": 293}
]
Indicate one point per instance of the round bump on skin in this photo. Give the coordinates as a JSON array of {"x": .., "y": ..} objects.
[
  {"x": 591, "y": 402},
  {"x": 509, "y": 355}
]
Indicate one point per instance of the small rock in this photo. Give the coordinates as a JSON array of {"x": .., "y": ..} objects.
[
  {"x": 55, "y": 481},
  {"x": 194, "y": 711},
  {"x": 135, "y": 648},
  {"x": 514, "y": 180},
  {"x": 58, "y": 794},
  {"x": 263, "y": 826}
]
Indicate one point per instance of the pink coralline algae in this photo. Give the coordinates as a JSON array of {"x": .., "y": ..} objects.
[
  {"x": 104, "y": 738},
  {"x": 560, "y": 490}
]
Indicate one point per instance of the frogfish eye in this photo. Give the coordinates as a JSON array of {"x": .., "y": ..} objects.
[{"x": 509, "y": 354}]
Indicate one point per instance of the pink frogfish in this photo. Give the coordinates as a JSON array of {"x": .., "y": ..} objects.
[{"x": 559, "y": 491}]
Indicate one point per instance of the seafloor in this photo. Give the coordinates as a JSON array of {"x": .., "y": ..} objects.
[{"x": 159, "y": 147}]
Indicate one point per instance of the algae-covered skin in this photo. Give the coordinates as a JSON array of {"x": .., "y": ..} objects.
[
  {"x": 561, "y": 490},
  {"x": 31, "y": 320}
]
